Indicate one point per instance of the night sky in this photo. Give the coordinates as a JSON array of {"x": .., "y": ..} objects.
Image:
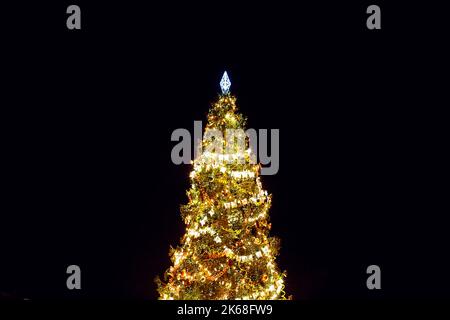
[{"x": 87, "y": 118}]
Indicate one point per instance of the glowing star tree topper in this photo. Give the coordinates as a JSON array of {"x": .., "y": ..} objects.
[
  {"x": 226, "y": 251},
  {"x": 225, "y": 83}
]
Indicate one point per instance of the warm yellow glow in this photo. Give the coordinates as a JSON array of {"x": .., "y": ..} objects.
[{"x": 226, "y": 252}]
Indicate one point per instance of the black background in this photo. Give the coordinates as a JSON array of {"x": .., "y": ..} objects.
[{"x": 87, "y": 117}]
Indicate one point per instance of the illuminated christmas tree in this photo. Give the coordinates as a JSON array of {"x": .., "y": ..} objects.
[{"x": 226, "y": 252}]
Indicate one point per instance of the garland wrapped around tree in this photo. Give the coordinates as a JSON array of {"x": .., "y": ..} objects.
[{"x": 226, "y": 252}]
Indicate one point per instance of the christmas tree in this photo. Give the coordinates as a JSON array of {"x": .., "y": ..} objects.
[{"x": 226, "y": 252}]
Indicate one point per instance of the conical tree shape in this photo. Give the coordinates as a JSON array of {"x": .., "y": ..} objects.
[{"x": 226, "y": 252}]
